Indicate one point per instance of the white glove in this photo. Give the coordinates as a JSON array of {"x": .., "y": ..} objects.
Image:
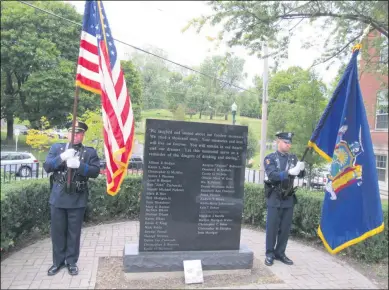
[
  {"x": 301, "y": 165},
  {"x": 73, "y": 162},
  {"x": 295, "y": 170},
  {"x": 68, "y": 154}
]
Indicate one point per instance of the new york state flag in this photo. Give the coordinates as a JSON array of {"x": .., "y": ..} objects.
[{"x": 352, "y": 208}]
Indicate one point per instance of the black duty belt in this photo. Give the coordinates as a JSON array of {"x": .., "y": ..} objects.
[{"x": 78, "y": 186}]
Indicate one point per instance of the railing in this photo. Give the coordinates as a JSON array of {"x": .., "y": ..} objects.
[
  {"x": 22, "y": 171},
  {"x": 317, "y": 183},
  {"x": 18, "y": 172}
]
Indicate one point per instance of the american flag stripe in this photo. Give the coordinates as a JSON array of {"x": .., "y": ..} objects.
[
  {"x": 99, "y": 71},
  {"x": 110, "y": 107}
]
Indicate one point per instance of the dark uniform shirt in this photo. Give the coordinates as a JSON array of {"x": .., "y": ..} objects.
[
  {"x": 278, "y": 175},
  {"x": 89, "y": 167}
]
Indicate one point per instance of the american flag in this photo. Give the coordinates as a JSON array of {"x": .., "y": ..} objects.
[{"x": 99, "y": 71}]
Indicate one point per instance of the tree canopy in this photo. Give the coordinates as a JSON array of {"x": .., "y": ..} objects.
[{"x": 341, "y": 23}]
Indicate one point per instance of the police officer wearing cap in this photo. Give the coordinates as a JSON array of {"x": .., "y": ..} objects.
[
  {"x": 281, "y": 168},
  {"x": 67, "y": 206}
]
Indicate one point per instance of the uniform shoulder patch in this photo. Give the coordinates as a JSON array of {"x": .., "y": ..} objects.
[{"x": 267, "y": 161}]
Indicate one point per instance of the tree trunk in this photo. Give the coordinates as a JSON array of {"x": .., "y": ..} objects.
[
  {"x": 226, "y": 117},
  {"x": 309, "y": 176},
  {"x": 211, "y": 116},
  {"x": 10, "y": 128},
  {"x": 200, "y": 115}
]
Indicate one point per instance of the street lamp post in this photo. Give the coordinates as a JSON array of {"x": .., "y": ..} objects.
[
  {"x": 264, "y": 116},
  {"x": 234, "y": 108},
  {"x": 17, "y": 133}
]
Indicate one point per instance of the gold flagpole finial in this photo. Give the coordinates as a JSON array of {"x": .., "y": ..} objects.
[{"x": 358, "y": 46}]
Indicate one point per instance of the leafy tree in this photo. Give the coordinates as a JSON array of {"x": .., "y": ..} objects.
[
  {"x": 252, "y": 141},
  {"x": 300, "y": 102},
  {"x": 197, "y": 95},
  {"x": 179, "y": 113},
  {"x": 155, "y": 77},
  {"x": 94, "y": 136},
  {"x": 341, "y": 23},
  {"x": 134, "y": 87},
  {"x": 32, "y": 42},
  {"x": 248, "y": 104},
  {"x": 232, "y": 72},
  {"x": 40, "y": 139},
  {"x": 176, "y": 93},
  {"x": 209, "y": 94}
]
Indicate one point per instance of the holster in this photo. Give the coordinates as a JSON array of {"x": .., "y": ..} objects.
[
  {"x": 51, "y": 179},
  {"x": 78, "y": 183},
  {"x": 287, "y": 188},
  {"x": 289, "y": 192},
  {"x": 268, "y": 188}
]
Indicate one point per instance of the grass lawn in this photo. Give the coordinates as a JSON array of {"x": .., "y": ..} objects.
[
  {"x": 256, "y": 159},
  {"x": 162, "y": 114},
  {"x": 254, "y": 124},
  {"x": 22, "y": 146}
]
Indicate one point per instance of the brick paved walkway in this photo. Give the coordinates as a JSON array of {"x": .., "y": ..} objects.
[{"x": 27, "y": 269}]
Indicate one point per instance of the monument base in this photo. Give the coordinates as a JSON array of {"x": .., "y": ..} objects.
[{"x": 136, "y": 262}]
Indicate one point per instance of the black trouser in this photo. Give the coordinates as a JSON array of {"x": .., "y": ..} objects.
[
  {"x": 278, "y": 224},
  {"x": 66, "y": 226}
]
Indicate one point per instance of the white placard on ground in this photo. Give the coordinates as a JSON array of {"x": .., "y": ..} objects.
[{"x": 193, "y": 272}]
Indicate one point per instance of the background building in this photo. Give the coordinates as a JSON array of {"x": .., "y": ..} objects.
[{"x": 374, "y": 86}]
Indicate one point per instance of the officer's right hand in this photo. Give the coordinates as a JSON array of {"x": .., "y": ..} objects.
[
  {"x": 68, "y": 154},
  {"x": 294, "y": 171},
  {"x": 301, "y": 165}
]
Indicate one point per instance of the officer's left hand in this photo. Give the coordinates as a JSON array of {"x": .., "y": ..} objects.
[
  {"x": 301, "y": 165},
  {"x": 73, "y": 162}
]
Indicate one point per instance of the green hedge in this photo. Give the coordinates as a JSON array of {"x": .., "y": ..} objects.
[
  {"x": 306, "y": 219},
  {"x": 25, "y": 209}
]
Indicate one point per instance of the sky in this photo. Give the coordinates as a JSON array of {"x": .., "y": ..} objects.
[{"x": 159, "y": 23}]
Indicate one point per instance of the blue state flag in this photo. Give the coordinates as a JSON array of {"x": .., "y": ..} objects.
[{"x": 352, "y": 208}]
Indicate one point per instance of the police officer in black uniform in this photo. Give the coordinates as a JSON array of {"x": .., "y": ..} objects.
[
  {"x": 68, "y": 204},
  {"x": 281, "y": 169}
]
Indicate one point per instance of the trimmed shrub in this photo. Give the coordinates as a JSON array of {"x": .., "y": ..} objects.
[
  {"x": 306, "y": 219},
  {"x": 25, "y": 208}
]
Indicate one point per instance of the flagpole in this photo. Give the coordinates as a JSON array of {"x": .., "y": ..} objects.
[
  {"x": 355, "y": 47},
  {"x": 102, "y": 27},
  {"x": 75, "y": 105}
]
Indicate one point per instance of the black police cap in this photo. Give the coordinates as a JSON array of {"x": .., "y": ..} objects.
[
  {"x": 285, "y": 135},
  {"x": 79, "y": 127}
]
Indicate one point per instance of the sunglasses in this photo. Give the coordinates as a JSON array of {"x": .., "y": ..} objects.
[{"x": 287, "y": 141}]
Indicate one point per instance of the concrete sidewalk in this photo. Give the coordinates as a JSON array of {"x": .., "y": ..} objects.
[{"x": 313, "y": 269}]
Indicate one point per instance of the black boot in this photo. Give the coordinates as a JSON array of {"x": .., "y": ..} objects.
[
  {"x": 73, "y": 269},
  {"x": 55, "y": 269},
  {"x": 284, "y": 259},
  {"x": 269, "y": 260}
]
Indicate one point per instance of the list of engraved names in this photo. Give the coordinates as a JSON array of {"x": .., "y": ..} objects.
[{"x": 201, "y": 170}]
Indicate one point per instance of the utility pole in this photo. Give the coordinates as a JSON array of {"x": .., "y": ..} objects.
[{"x": 264, "y": 116}]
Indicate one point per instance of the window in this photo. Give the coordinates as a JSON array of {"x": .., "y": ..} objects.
[
  {"x": 384, "y": 50},
  {"x": 380, "y": 161},
  {"x": 25, "y": 156},
  {"x": 16, "y": 157},
  {"x": 5, "y": 157},
  {"x": 382, "y": 110}
]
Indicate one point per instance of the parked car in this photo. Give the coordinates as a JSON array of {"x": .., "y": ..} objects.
[
  {"x": 61, "y": 134},
  {"x": 136, "y": 162},
  {"x": 23, "y": 130},
  {"x": 319, "y": 178},
  {"x": 23, "y": 164}
]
